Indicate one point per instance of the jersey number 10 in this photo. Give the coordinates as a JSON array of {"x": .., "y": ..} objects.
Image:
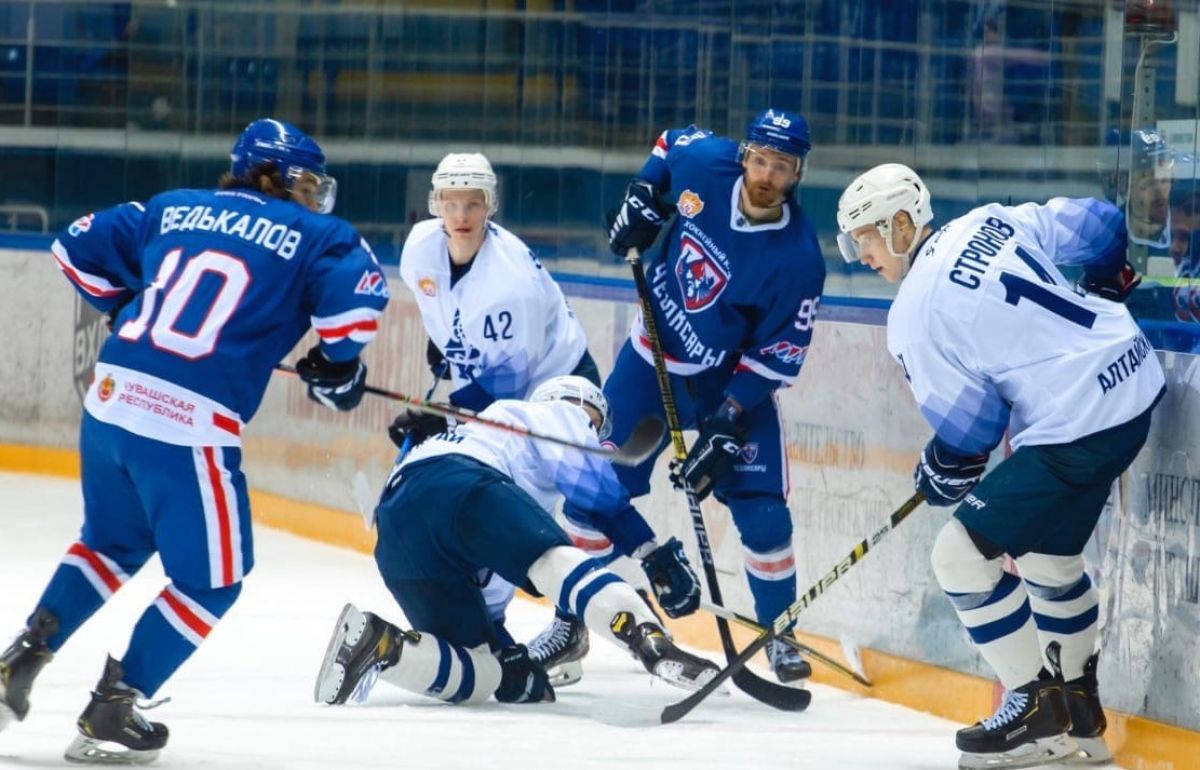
[{"x": 234, "y": 280}]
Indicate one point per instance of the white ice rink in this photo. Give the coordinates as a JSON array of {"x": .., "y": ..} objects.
[{"x": 244, "y": 700}]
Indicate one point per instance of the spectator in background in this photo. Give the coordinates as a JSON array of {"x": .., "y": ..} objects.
[
  {"x": 991, "y": 58},
  {"x": 1148, "y": 192},
  {"x": 1185, "y": 254}
]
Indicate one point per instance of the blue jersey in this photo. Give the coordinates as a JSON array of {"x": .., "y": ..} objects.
[
  {"x": 726, "y": 292},
  {"x": 212, "y": 289}
]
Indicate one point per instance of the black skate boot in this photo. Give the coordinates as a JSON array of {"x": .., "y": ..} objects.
[
  {"x": 786, "y": 661},
  {"x": 111, "y": 729},
  {"x": 1087, "y": 717},
  {"x": 560, "y": 649},
  {"x": 20, "y": 664},
  {"x": 362, "y": 645},
  {"x": 1029, "y": 728},
  {"x": 651, "y": 646}
]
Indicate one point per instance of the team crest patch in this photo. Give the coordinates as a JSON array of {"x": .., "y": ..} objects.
[
  {"x": 372, "y": 284},
  {"x": 749, "y": 453},
  {"x": 427, "y": 286},
  {"x": 701, "y": 278},
  {"x": 106, "y": 387},
  {"x": 689, "y": 204}
]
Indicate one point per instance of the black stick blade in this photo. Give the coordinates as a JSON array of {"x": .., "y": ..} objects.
[{"x": 644, "y": 441}]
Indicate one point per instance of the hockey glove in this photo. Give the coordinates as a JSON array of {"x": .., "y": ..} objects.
[
  {"x": 673, "y": 579},
  {"x": 636, "y": 224},
  {"x": 415, "y": 427},
  {"x": 521, "y": 679},
  {"x": 1113, "y": 286},
  {"x": 946, "y": 476},
  {"x": 336, "y": 384},
  {"x": 713, "y": 454},
  {"x": 437, "y": 361}
]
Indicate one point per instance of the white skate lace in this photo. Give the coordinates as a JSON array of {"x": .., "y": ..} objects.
[
  {"x": 551, "y": 640},
  {"x": 1010, "y": 708}
]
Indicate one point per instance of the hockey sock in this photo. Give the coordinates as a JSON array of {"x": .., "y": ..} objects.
[
  {"x": 991, "y": 603},
  {"x": 772, "y": 579},
  {"x": 84, "y": 580},
  {"x": 170, "y": 630},
  {"x": 1066, "y": 607},
  {"x": 583, "y": 587},
  {"x": 445, "y": 671}
]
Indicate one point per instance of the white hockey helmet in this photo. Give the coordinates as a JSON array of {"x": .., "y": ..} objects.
[
  {"x": 580, "y": 390},
  {"x": 875, "y": 197},
  {"x": 464, "y": 171}
]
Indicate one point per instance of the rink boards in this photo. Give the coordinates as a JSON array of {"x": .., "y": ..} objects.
[{"x": 852, "y": 435}]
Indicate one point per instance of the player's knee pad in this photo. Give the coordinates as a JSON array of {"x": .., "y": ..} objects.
[
  {"x": 583, "y": 587},
  {"x": 765, "y": 526},
  {"x": 1047, "y": 570},
  {"x": 433, "y": 667},
  {"x": 959, "y": 565}
]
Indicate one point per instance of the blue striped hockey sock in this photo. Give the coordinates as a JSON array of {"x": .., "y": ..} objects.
[{"x": 84, "y": 580}]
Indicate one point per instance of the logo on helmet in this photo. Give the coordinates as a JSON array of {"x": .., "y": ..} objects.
[
  {"x": 689, "y": 204},
  {"x": 701, "y": 278}
]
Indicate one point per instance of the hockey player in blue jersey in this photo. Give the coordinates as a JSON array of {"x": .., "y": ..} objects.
[
  {"x": 736, "y": 277},
  {"x": 476, "y": 499},
  {"x": 207, "y": 291},
  {"x": 992, "y": 337}
]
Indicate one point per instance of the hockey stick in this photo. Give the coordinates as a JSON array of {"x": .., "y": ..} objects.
[
  {"x": 406, "y": 447},
  {"x": 815, "y": 654},
  {"x": 774, "y": 695},
  {"x": 644, "y": 441},
  {"x": 677, "y": 711}
]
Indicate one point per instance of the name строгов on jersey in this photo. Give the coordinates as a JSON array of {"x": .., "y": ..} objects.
[{"x": 261, "y": 231}]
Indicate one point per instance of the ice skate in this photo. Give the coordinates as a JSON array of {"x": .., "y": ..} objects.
[
  {"x": 786, "y": 662},
  {"x": 362, "y": 645},
  {"x": 560, "y": 649},
  {"x": 1087, "y": 717},
  {"x": 650, "y": 645},
  {"x": 1030, "y": 728},
  {"x": 20, "y": 664},
  {"x": 112, "y": 731}
]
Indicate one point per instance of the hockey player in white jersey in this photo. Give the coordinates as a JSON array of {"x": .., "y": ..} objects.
[
  {"x": 476, "y": 499},
  {"x": 992, "y": 337},
  {"x": 498, "y": 326}
]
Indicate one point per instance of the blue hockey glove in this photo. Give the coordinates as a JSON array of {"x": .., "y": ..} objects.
[
  {"x": 436, "y": 361},
  {"x": 672, "y": 578},
  {"x": 946, "y": 476},
  {"x": 521, "y": 679},
  {"x": 636, "y": 224},
  {"x": 1111, "y": 286},
  {"x": 713, "y": 454},
  {"x": 415, "y": 426},
  {"x": 338, "y": 385}
]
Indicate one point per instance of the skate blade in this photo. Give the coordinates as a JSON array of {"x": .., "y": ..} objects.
[
  {"x": 565, "y": 674},
  {"x": 1092, "y": 751},
  {"x": 89, "y": 751},
  {"x": 671, "y": 672},
  {"x": 1043, "y": 751},
  {"x": 347, "y": 631}
]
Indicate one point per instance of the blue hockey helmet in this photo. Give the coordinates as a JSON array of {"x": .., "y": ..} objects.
[
  {"x": 780, "y": 131},
  {"x": 293, "y": 151}
]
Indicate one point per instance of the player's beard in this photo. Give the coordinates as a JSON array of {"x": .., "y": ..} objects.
[{"x": 764, "y": 196}]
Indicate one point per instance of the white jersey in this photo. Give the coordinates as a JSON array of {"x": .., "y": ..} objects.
[
  {"x": 547, "y": 471},
  {"x": 989, "y": 332},
  {"x": 505, "y": 324}
]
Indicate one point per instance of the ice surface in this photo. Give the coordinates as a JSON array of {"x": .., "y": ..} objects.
[{"x": 244, "y": 700}]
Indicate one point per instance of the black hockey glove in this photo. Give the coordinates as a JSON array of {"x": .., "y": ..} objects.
[
  {"x": 946, "y": 476},
  {"x": 521, "y": 679},
  {"x": 437, "y": 361},
  {"x": 414, "y": 427},
  {"x": 713, "y": 454},
  {"x": 673, "y": 579},
  {"x": 1111, "y": 286},
  {"x": 636, "y": 223},
  {"x": 336, "y": 384}
]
